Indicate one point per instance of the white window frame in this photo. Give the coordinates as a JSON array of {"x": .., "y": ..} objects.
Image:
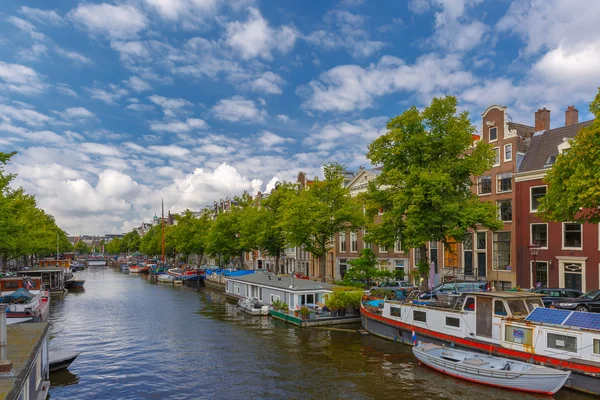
[
  {"x": 561, "y": 333},
  {"x": 398, "y": 246},
  {"x": 342, "y": 242},
  {"x": 500, "y": 211},
  {"x": 531, "y": 273},
  {"x": 366, "y": 245},
  {"x": 592, "y": 352},
  {"x": 531, "y": 233},
  {"x": 511, "y": 152},
  {"x": 499, "y": 157},
  {"x": 498, "y": 183},
  {"x": 531, "y": 210},
  {"x": 563, "y": 237},
  {"x": 382, "y": 249},
  {"x": 479, "y": 183},
  {"x": 490, "y": 134},
  {"x": 353, "y": 242}
]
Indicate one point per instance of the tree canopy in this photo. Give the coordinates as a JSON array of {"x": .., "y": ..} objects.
[
  {"x": 427, "y": 161},
  {"x": 573, "y": 192}
]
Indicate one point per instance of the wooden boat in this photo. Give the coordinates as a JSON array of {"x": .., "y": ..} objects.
[
  {"x": 134, "y": 269},
  {"x": 61, "y": 359},
  {"x": 491, "y": 370}
]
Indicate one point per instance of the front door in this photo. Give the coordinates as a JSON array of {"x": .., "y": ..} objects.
[
  {"x": 468, "y": 263},
  {"x": 481, "y": 265},
  {"x": 484, "y": 316},
  {"x": 573, "y": 274}
]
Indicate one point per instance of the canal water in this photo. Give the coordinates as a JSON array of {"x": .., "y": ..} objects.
[{"x": 140, "y": 340}]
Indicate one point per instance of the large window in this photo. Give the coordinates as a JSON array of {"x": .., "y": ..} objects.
[
  {"x": 539, "y": 234},
  {"x": 496, "y": 156},
  {"x": 468, "y": 254},
  {"x": 504, "y": 182},
  {"x": 366, "y": 245},
  {"x": 504, "y": 210},
  {"x": 536, "y": 194},
  {"x": 398, "y": 247},
  {"x": 420, "y": 316},
  {"x": 343, "y": 241},
  {"x": 343, "y": 267},
  {"x": 433, "y": 254},
  {"x": 481, "y": 240},
  {"x": 562, "y": 342},
  {"x": 541, "y": 274},
  {"x": 501, "y": 250},
  {"x": 353, "y": 242},
  {"x": 493, "y": 134},
  {"x": 508, "y": 152},
  {"x": 484, "y": 185},
  {"x": 572, "y": 236}
]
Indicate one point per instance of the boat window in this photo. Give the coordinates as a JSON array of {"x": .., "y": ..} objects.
[
  {"x": 596, "y": 349},
  {"x": 518, "y": 334},
  {"x": 455, "y": 322},
  {"x": 420, "y": 316},
  {"x": 11, "y": 285},
  {"x": 517, "y": 308},
  {"x": 562, "y": 342},
  {"x": 395, "y": 311},
  {"x": 469, "y": 304},
  {"x": 532, "y": 304},
  {"x": 310, "y": 299},
  {"x": 499, "y": 307},
  {"x": 272, "y": 298}
]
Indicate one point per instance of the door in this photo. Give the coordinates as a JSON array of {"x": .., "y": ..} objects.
[
  {"x": 484, "y": 317},
  {"x": 481, "y": 264},
  {"x": 573, "y": 281},
  {"x": 468, "y": 263}
]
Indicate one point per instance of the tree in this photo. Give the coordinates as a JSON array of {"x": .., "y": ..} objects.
[
  {"x": 363, "y": 269},
  {"x": 150, "y": 243},
  {"x": 223, "y": 238},
  {"x": 316, "y": 214},
  {"x": 130, "y": 243},
  {"x": 424, "y": 188},
  {"x": 81, "y": 247},
  {"x": 573, "y": 192}
]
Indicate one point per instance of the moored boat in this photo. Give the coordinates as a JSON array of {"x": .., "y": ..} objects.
[
  {"x": 134, "y": 269},
  {"x": 61, "y": 359},
  {"x": 25, "y": 299},
  {"x": 491, "y": 370},
  {"x": 74, "y": 283},
  {"x": 165, "y": 278},
  {"x": 253, "y": 307},
  {"x": 124, "y": 268}
]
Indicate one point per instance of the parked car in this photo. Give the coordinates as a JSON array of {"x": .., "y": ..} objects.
[
  {"x": 401, "y": 288},
  {"x": 454, "y": 287},
  {"x": 554, "y": 294},
  {"x": 588, "y": 302}
]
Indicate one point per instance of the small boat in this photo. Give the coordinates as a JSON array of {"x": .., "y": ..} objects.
[
  {"x": 134, "y": 269},
  {"x": 144, "y": 269},
  {"x": 253, "y": 307},
  {"x": 61, "y": 359},
  {"x": 124, "y": 268},
  {"x": 165, "y": 278},
  {"x": 491, "y": 370},
  {"x": 74, "y": 283},
  {"x": 77, "y": 266}
]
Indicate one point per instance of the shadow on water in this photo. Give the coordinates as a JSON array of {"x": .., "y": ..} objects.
[{"x": 140, "y": 340}]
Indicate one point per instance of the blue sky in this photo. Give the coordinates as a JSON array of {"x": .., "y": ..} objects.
[{"x": 113, "y": 106}]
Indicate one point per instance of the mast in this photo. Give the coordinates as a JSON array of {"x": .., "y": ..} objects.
[
  {"x": 57, "y": 245},
  {"x": 162, "y": 222}
]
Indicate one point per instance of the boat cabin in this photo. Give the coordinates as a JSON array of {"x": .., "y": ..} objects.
[
  {"x": 267, "y": 288},
  {"x": 9, "y": 285},
  {"x": 52, "y": 278},
  {"x": 54, "y": 263}
]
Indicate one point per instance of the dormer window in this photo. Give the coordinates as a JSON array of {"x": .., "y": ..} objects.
[
  {"x": 493, "y": 134},
  {"x": 550, "y": 162}
]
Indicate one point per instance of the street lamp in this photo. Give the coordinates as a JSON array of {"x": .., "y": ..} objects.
[
  {"x": 534, "y": 250},
  {"x": 497, "y": 272}
]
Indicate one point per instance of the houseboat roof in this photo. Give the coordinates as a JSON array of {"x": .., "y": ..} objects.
[
  {"x": 507, "y": 295},
  {"x": 40, "y": 269},
  {"x": 23, "y": 342},
  {"x": 283, "y": 282}
]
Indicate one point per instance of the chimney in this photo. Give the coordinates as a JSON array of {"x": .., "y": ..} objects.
[
  {"x": 5, "y": 365},
  {"x": 571, "y": 116},
  {"x": 542, "y": 120}
]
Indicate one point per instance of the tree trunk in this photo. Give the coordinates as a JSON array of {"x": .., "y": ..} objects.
[
  {"x": 424, "y": 272},
  {"x": 323, "y": 267},
  {"x": 277, "y": 264},
  {"x": 4, "y": 262}
]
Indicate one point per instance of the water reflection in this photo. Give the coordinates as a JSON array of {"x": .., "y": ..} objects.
[{"x": 63, "y": 378}]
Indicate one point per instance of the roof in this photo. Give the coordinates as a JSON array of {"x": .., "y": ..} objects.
[
  {"x": 23, "y": 341},
  {"x": 284, "y": 284},
  {"x": 507, "y": 295},
  {"x": 524, "y": 132},
  {"x": 40, "y": 269},
  {"x": 545, "y": 144}
]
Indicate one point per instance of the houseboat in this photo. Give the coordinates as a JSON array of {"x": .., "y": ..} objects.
[
  {"x": 52, "y": 278},
  {"x": 507, "y": 324},
  {"x": 64, "y": 264},
  {"x": 25, "y": 298},
  {"x": 24, "y": 367}
]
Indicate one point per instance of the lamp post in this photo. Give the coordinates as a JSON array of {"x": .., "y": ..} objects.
[
  {"x": 534, "y": 250},
  {"x": 497, "y": 272}
]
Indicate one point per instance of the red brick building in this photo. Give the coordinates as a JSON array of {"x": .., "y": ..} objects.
[{"x": 569, "y": 256}]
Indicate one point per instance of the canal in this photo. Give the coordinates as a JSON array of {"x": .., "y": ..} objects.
[{"x": 140, "y": 340}]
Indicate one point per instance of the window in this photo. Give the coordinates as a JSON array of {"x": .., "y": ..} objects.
[
  {"x": 499, "y": 308},
  {"x": 433, "y": 255},
  {"x": 400, "y": 267},
  {"x": 562, "y": 342},
  {"x": 502, "y": 285},
  {"x": 484, "y": 185},
  {"x": 518, "y": 334},
  {"x": 418, "y": 256},
  {"x": 504, "y": 210},
  {"x": 539, "y": 234},
  {"x": 343, "y": 241},
  {"x": 272, "y": 298},
  {"x": 504, "y": 182},
  {"x": 517, "y": 308},
  {"x": 551, "y": 160},
  {"x": 455, "y": 322},
  {"x": 419, "y": 316},
  {"x": 469, "y": 304},
  {"x": 481, "y": 240},
  {"x": 596, "y": 349},
  {"x": 382, "y": 249},
  {"x": 536, "y": 194},
  {"x": 398, "y": 247},
  {"x": 496, "y": 156},
  {"x": 493, "y": 134},
  {"x": 237, "y": 289},
  {"x": 541, "y": 276},
  {"x": 353, "y": 242},
  {"x": 395, "y": 312},
  {"x": 508, "y": 152},
  {"x": 366, "y": 245},
  {"x": 572, "y": 236},
  {"x": 501, "y": 250},
  {"x": 343, "y": 267}
]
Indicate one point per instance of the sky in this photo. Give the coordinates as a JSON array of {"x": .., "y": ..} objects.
[{"x": 113, "y": 106}]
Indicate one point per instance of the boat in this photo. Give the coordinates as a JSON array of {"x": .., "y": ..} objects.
[
  {"x": 144, "y": 269},
  {"x": 253, "y": 307},
  {"x": 25, "y": 298},
  {"x": 77, "y": 266},
  {"x": 513, "y": 325},
  {"x": 134, "y": 269},
  {"x": 165, "y": 278},
  {"x": 124, "y": 268},
  {"x": 74, "y": 283},
  {"x": 491, "y": 370},
  {"x": 53, "y": 278},
  {"x": 61, "y": 359}
]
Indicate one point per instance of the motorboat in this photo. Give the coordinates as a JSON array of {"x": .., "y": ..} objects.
[
  {"x": 165, "y": 278},
  {"x": 61, "y": 359},
  {"x": 25, "y": 298},
  {"x": 253, "y": 307},
  {"x": 491, "y": 370},
  {"x": 134, "y": 269},
  {"x": 124, "y": 268},
  {"x": 74, "y": 283}
]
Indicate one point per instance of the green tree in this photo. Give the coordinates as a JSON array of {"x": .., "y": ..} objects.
[
  {"x": 316, "y": 214},
  {"x": 223, "y": 239},
  {"x": 81, "y": 247},
  {"x": 573, "y": 192},
  {"x": 130, "y": 243},
  {"x": 424, "y": 188},
  {"x": 363, "y": 269},
  {"x": 150, "y": 243}
]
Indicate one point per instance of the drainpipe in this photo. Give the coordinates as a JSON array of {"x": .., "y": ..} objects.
[{"x": 5, "y": 365}]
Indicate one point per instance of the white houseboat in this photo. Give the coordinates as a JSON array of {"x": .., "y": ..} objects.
[
  {"x": 507, "y": 324},
  {"x": 53, "y": 278},
  {"x": 33, "y": 304}
]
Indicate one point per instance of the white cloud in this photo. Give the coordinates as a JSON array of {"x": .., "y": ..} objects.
[
  {"x": 255, "y": 38},
  {"x": 137, "y": 84},
  {"x": 170, "y": 150},
  {"x": 283, "y": 118},
  {"x": 270, "y": 139},
  {"x": 192, "y": 14},
  {"x": 115, "y": 22},
  {"x": 268, "y": 82},
  {"x": 65, "y": 89},
  {"x": 27, "y": 27},
  {"x": 351, "y": 87},
  {"x": 73, "y": 56},
  {"x": 171, "y": 106},
  {"x": 20, "y": 79},
  {"x": 571, "y": 68},
  {"x": 179, "y": 126},
  {"x": 272, "y": 183},
  {"x": 238, "y": 109},
  {"x": 43, "y": 16},
  {"x": 350, "y": 135},
  {"x": 108, "y": 96},
  {"x": 140, "y": 107},
  {"x": 100, "y": 149},
  {"x": 33, "y": 53},
  {"x": 24, "y": 115},
  {"x": 76, "y": 113}
]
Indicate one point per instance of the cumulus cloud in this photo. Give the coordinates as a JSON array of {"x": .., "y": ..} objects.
[
  {"x": 268, "y": 82},
  {"x": 270, "y": 139},
  {"x": 115, "y": 22},
  {"x": 20, "y": 79},
  {"x": 179, "y": 126},
  {"x": 109, "y": 96},
  {"x": 238, "y": 109},
  {"x": 138, "y": 84}
]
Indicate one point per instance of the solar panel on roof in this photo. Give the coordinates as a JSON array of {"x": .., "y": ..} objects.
[
  {"x": 548, "y": 315},
  {"x": 584, "y": 320}
]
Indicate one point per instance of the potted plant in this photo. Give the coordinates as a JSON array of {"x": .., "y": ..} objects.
[
  {"x": 332, "y": 303},
  {"x": 304, "y": 312},
  {"x": 284, "y": 308}
]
